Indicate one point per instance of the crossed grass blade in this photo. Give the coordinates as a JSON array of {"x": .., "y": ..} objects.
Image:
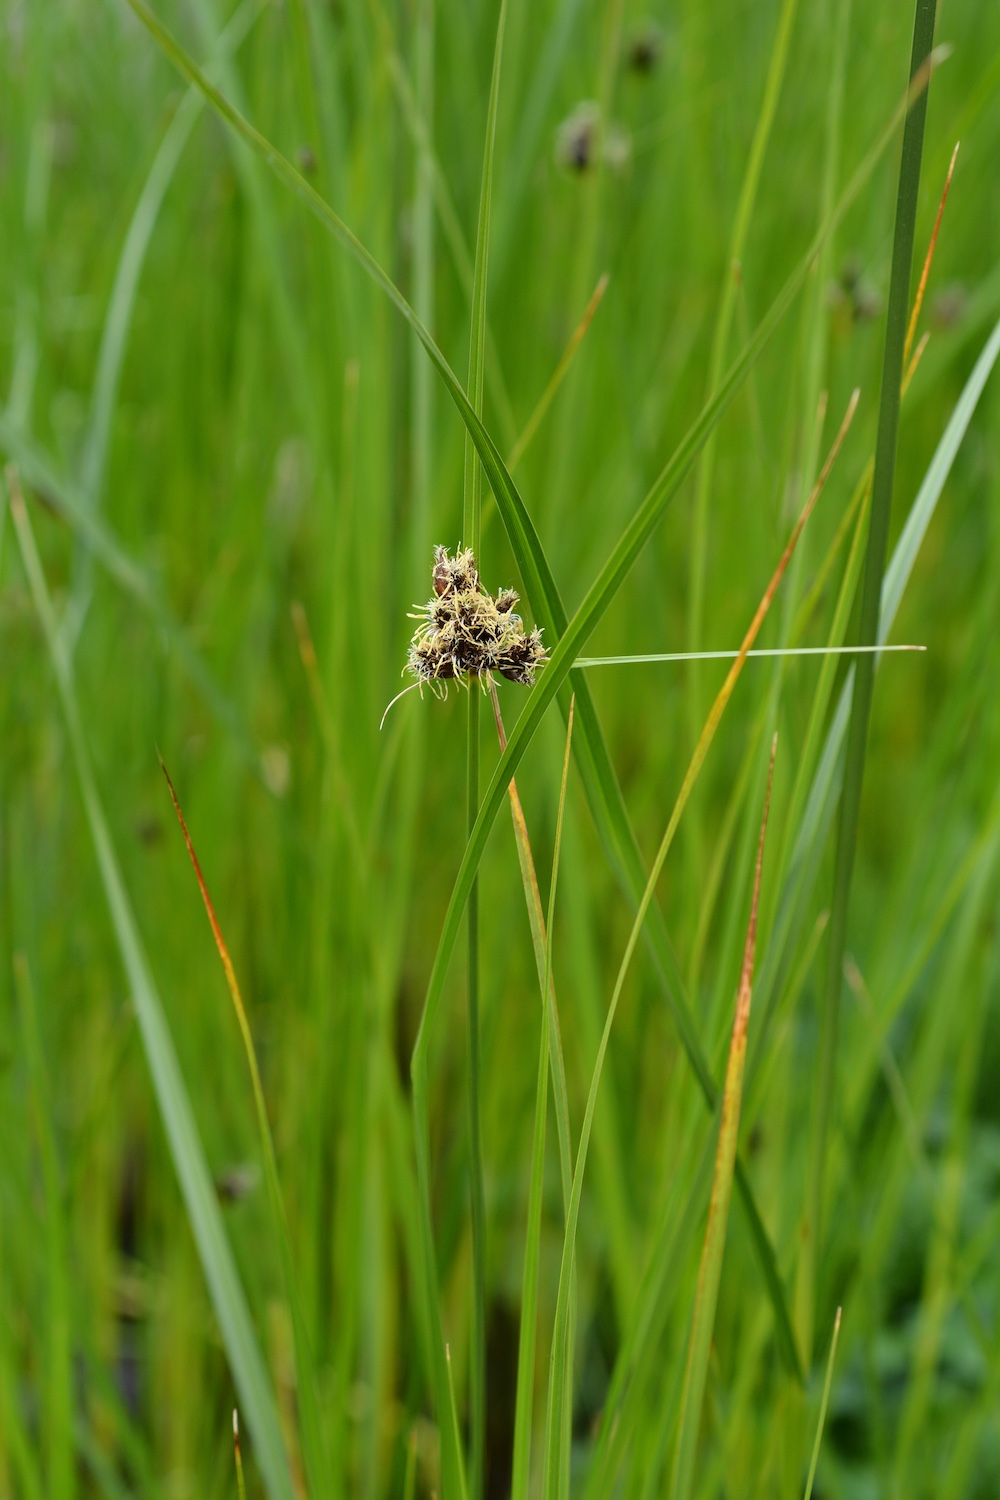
[
  {"x": 317, "y": 1467},
  {"x": 224, "y": 1285},
  {"x": 600, "y": 782},
  {"x": 710, "y": 1271}
]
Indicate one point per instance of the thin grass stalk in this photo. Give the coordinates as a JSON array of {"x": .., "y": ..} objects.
[
  {"x": 540, "y": 942},
  {"x": 524, "y": 1391},
  {"x": 864, "y": 671},
  {"x": 824, "y": 1403},
  {"x": 241, "y": 1489},
  {"x": 416, "y": 117},
  {"x": 477, "y": 1199},
  {"x": 710, "y": 1270},
  {"x": 456, "y": 1436},
  {"x": 541, "y": 939},
  {"x": 410, "y": 1475},
  {"x": 472, "y": 525},
  {"x": 317, "y": 1465},
  {"x": 591, "y": 201},
  {"x": 558, "y": 375}
]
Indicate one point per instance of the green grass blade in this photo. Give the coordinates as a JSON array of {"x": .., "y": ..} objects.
[
  {"x": 456, "y": 1436},
  {"x": 540, "y": 928},
  {"x": 710, "y": 1271},
  {"x": 525, "y": 1390},
  {"x": 897, "y": 318},
  {"x": 317, "y": 1466},
  {"x": 824, "y": 1403},
  {"x": 472, "y": 508},
  {"x": 771, "y": 651},
  {"x": 241, "y": 1489},
  {"x": 236, "y": 1327},
  {"x": 524, "y": 1393}
]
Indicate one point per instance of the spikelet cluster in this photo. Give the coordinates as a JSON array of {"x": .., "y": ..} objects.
[{"x": 466, "y": 632}]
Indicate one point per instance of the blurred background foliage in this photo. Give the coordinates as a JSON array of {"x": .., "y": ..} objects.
[{"x": 256, "y": 429}]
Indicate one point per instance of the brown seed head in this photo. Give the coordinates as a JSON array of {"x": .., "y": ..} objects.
[{"x": 466, "y": 632}]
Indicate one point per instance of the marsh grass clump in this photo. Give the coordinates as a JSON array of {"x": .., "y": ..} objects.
[{"x": 466, "y": 632}]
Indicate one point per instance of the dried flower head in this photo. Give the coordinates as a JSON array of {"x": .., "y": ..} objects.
[
  {"x": 466, "y": 632},
  {"x": 644, "y": 51}
]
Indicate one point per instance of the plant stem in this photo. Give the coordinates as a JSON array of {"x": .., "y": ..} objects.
[{"x": 882, "y": 484}]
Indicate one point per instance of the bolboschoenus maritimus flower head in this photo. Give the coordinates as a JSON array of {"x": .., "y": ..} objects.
[{"x": 464, "y": 632}]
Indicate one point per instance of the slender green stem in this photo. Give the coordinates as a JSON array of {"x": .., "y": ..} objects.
[
  {"x": 824, "y": 1403},
  {"x": 477, "y": 1356},
  {"x": 529, "y": 1291},
  {"x": 878, "y": 536},
  {"x": 472, "y": 523}
]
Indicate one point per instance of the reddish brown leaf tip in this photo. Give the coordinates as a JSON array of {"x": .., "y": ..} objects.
[{"x": 746, "y": 975}]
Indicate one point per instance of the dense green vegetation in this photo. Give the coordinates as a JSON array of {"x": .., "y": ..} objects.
[{"x": 235, "y": 458}]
